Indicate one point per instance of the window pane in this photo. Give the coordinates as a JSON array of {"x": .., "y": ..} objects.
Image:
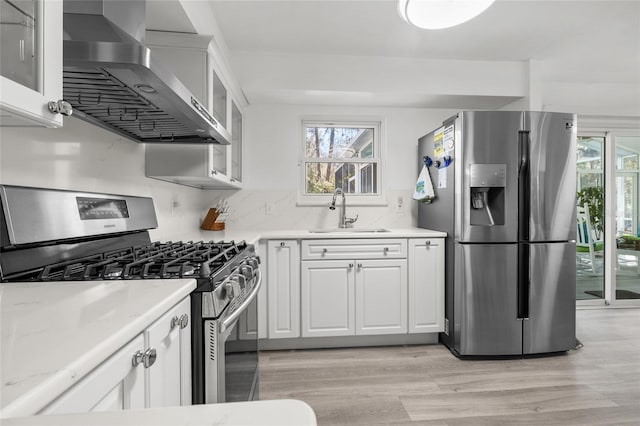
[
  {"x": 339, "y": 142},
  {"x": 590, "y": 153},
  {"x": 352, "y": 178}
]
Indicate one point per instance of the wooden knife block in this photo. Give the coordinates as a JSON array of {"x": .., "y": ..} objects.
[{"x": 209, "y": 223}]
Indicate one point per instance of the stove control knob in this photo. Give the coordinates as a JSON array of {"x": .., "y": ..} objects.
[
  {"x": 247, "y": 271},
  {"x": 228, "y": 289}
]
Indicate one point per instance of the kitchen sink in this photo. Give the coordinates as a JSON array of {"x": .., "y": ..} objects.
[{"x": 346, "y": 230}]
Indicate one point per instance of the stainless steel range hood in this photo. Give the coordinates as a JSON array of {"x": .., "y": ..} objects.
[{"x": 112, "y": 80}]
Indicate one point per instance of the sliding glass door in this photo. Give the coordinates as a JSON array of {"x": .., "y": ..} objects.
[
  {"x": 627, "y": 277},
  {"x": 608, "y": 218},
  {"x": 590, "y": 239}
]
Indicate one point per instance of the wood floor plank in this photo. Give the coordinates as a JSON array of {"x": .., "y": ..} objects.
[
  {"x": 491, "y": 403},
  {"x": 426, "y": 385}
]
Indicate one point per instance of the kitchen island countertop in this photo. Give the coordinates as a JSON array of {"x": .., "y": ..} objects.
[{"x": 54, "y": 333}]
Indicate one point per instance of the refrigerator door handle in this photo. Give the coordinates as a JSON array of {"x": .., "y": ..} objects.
[
  {"x": 523, "y": 281},
  {"x": 524, "y": 186}
]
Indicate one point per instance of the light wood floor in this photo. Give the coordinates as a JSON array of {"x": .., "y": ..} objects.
[{"x": 426, "y": 385}]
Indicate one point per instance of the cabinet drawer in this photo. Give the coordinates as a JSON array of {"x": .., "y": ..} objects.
[{"x": 354, "y": 249}]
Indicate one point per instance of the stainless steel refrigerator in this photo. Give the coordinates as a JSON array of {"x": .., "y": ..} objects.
[{"x": 507, "y": 202}]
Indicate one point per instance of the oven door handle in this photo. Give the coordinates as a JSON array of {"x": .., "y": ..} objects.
[{"x": 228, "y": 322}]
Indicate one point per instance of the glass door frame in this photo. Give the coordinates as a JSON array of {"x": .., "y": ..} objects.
[{"x": 616, "y": 129}]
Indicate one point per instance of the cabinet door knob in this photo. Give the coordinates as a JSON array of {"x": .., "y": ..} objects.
[
  {"x": 359, "y": 265},
  {"x": 350, "y": 265},
  {"x": 184, "y": 320},
  {"x": 282, "y": 244},
  {"x": 386, "y": 250},
  {"x": 60, "y": 107},
  {"x": 175, "y": 321},
  {"x": 428, "y": 243},
  {"x": 149, "y": 358},
  {"x": 137, "y": 358},
  {"x": 324, "y": 251}
]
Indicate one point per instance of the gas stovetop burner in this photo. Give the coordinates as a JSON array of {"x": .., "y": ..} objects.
[{"x": 154, "y": 261}]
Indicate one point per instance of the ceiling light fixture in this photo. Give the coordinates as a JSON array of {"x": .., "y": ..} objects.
[{"x": 437, "y": 14}]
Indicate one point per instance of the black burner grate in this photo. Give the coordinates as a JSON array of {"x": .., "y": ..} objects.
[{"x": 157, "y": 260}]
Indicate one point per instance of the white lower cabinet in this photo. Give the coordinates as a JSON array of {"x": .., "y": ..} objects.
[
  {"x": 283, "y": 283},
  {"x": 355, "y": 287},
  {"x": 169, "y": 378},
  {"x": 327, "y": 298},
  {"x": 114, "y": 385},
  {"x": 381, "y": 296},
  {"x": 426, "y": 285},
  {"x": 152, "y": 370}
]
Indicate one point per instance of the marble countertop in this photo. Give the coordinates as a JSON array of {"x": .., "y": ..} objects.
[
  {"x": 54, "y": 333},
  {"x": 252, "y": 237},
  {"x": 282, "y": 412}
]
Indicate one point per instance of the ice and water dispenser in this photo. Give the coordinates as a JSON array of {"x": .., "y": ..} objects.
[{"x": 487, "y": 192}]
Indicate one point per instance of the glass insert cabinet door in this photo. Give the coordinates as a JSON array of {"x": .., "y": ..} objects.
[
  {"x": 30, "y": 61},
  {"x": 18, "y": 35}
]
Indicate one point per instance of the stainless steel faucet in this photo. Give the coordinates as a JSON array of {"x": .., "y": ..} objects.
[{"x": 344, "y": 220}]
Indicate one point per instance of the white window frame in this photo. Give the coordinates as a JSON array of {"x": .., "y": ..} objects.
[{"x": 378, "y": 199}]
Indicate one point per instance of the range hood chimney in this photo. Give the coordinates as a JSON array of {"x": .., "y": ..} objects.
[{"x": 112, "y": 80}]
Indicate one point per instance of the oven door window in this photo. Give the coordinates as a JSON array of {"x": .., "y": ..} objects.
[{"x": 241, "y": 359}]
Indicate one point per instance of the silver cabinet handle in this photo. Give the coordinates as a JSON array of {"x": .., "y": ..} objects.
[
  {"x": 184, "y": 320},
  {"x": 350, "y": 265},
  {"x": 359, "y": 265},
  {"x": 175, "y": 321},
  {"x": 428, "y": 243},
  {"x": 60, "y": 107},
  {"x": 137, "y": 358},
  {"x": 149, "y": 358},
  {"x": 385, "y": 250},
  {"x": 324, "y": 251}
]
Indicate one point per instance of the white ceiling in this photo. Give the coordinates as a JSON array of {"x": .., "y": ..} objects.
[{"x": 577, "y": 41}]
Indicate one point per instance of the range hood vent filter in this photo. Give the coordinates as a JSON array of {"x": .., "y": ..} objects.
[
  {"x": 112, "y": 80},
  {"x": 104, "y": 98}
]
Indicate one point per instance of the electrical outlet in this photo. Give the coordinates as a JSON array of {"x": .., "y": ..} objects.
[
  {"x": 268, "y": 208},
  {"x": 400, "y": 205}
]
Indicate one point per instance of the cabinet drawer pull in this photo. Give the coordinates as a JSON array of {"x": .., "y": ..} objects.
[
  {"x": 184, "y": 320},
  {"x": 137, "y": 358},
  {"x": 350, "y": 265},
  {"x": 386, "y": 250},
  {"x": 324, "y": 251},
  {"x": 282, "y": 244},
  {"x": 149, "y": 358},
  {"x": 427, "y": 243},
  {"x": 359, "y": 265},
  {"x": 175, "y": 321}
]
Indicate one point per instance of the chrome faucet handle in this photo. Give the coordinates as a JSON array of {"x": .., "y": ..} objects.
[{"x": 350, "y": 220}]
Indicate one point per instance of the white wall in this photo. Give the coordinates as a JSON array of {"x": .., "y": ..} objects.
[
  {"x": 273, "y": 140},
  {"x": 84, "y": 157}
]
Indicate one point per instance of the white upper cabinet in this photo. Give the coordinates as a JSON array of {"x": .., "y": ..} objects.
[
  {"x": 191, "y": 58},
  {"x": 31, "y": 63}
]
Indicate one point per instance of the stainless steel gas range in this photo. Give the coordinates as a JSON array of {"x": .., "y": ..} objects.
[{"x": 54, "y": 235}]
